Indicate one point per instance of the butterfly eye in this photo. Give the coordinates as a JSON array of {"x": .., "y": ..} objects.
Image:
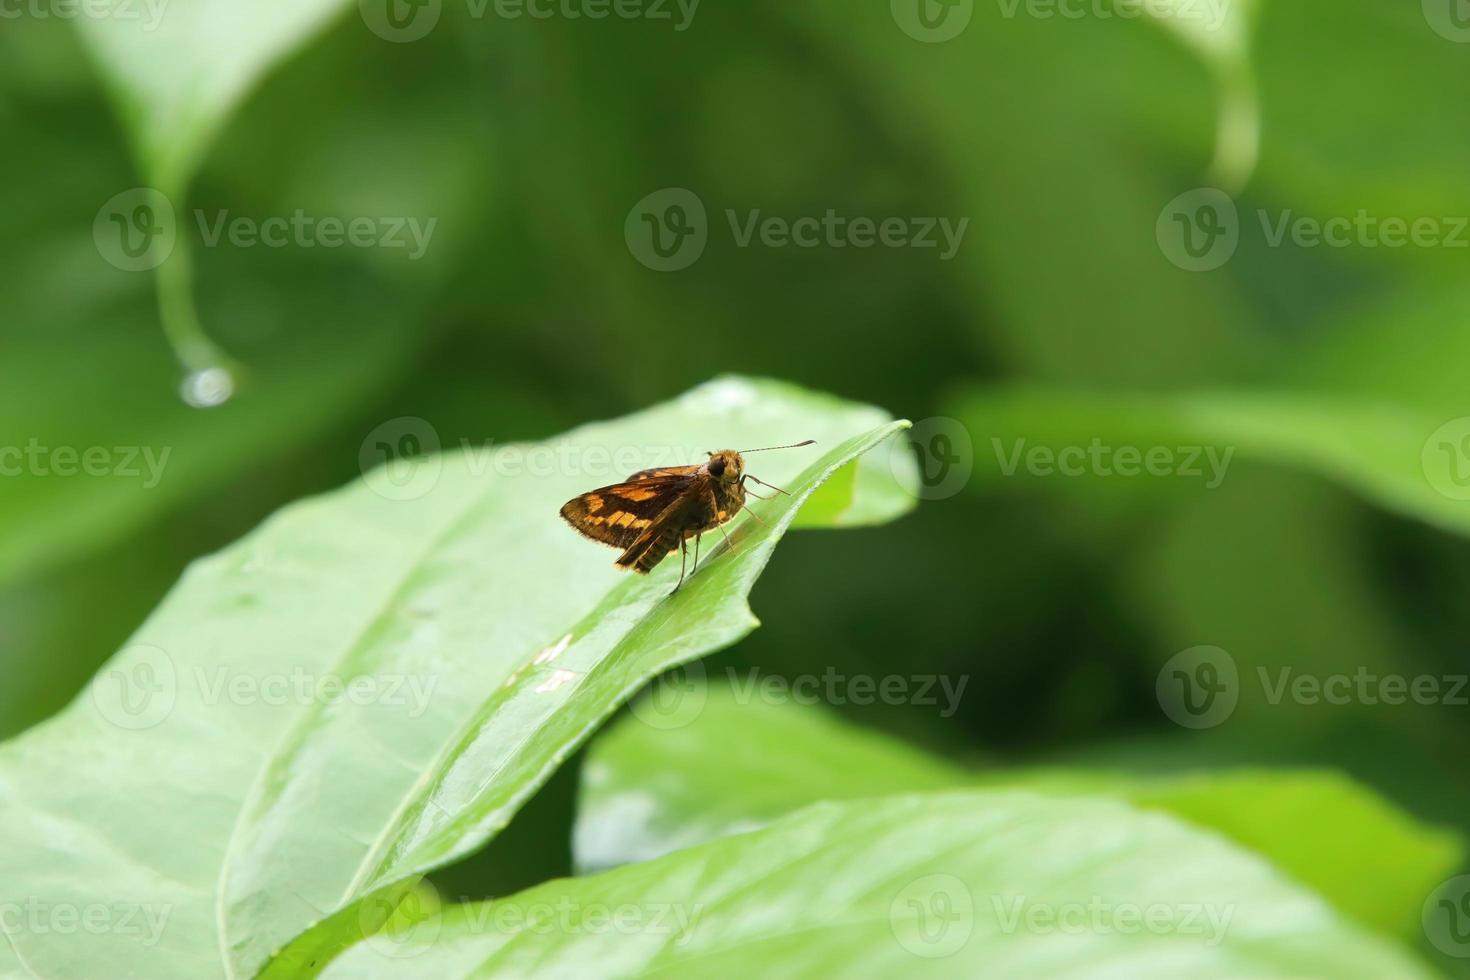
[{"x": 717, "y": 467}]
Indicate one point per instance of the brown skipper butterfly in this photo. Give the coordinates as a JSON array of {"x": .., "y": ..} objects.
[{"x": 655, "y": 512}]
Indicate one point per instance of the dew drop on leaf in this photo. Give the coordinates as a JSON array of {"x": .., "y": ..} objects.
[{"x": 207, "y": 388}]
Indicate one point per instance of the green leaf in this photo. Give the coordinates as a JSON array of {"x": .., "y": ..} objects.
[
  {"x": 956, "y": 884},
  {"x": 694, "y": 762},
  {"x": 1353, "y": 847},
  {"x": 177, "y": 69},
  {"x": 150, "y": 452},
  {"x": 1042, "y": 223},
  {"x": 1311, "y": 160},
  {"x": 739, "y": 764},
  {"x": 1402, "y": 457},
  {"x": 372, "y": 683},
  {"x": 1219, "y": 32}
]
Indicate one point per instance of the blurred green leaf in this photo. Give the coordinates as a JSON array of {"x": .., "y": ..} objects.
[
  {"x": 1405, "y": 348},
  {"x": 1370, "y": 859},
  {"x": 946, "y": 884},
  {"x": 107, "y": 445},
  {"x": 693, "y": 762},
  {"x": 1062, "y": 182},
  {"x": 177, "y": 69},
  {"x": 737, "y": 765},
  {"x": 1219, "y": 31},
  {"x": 217, "y": 769},
  {"x": 1318, "y": 103},
  {"x": 1403, "y": 457}
]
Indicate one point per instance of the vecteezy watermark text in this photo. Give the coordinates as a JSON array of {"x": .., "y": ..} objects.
[
  {"x": 403, "y": 21},
  {"x": 141, "y": 687},
  {"x": 832, "y": 687},
  {"x": 129, "y": 462},
  {"x": 308, "y": 231},
  {"x": 137, "y": 230},
  {"x": 301, "y": 687},
  {"x": 569, "y": 918},
  {"x": 414, "y": 927},
  {"x": 400, "y": 458},
  {"x": 1209, "y": 14},
  {"x": 833, "y": 230},
  {"x": 1201, "y": 230},
  {"x": 1100, "y": 916},
  {"x": 1099, "y": 459},
  {"x": 669, "y": 229},
  {"x": 678, "y": 697},
  {"x": 150, "y": 12},
  {"x": 38, "y": 917},
  {"x": 1201, "y": 687}
]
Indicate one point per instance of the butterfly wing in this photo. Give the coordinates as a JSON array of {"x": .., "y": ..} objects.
[
  {"x": 619, "y": 514},
  {"x": 662, "y": 471},
  {"x": 688, "y": 510}
]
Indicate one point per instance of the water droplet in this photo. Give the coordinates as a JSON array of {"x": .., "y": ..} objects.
[{"x": 207, "y": 388}]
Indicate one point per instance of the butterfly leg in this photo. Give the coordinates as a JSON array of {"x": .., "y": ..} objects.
[
  {"x": 683, "y": 561},
  {"x": 763, "y": 483},
  {"x": 696, "y": 552},
  {"x": 727, "y": 537}
]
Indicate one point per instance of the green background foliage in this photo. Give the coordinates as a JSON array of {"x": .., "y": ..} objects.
[{"x": 1329, "y": 546}]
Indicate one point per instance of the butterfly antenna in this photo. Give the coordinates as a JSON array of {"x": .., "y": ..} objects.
[{"x": 794, "y": 445}]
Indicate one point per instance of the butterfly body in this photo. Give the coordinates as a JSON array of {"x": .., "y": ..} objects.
[{"x": 654, "y": 512}]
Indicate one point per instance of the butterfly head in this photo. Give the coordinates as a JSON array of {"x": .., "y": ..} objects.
[{"x": 727, "y": 466}]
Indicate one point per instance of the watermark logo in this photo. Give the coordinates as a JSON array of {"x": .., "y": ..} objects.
[
  {"x": 1446, "y": 459},
  {"x": 1199, "y": 687},
  {"x": 932, "y": 21},
  {"x": 138, "y": 689},
  {"x": 136, "y": 230},
  {"x": 675, "y": 699},
  {"x": 667, "y": 230},
  {"x": 1199, "y": 230},
  {"x": 1446, "y": 917},
  {"x": 400, "y": 458},
  {"x": 945, "y": 453},
  {"x": 1450, "y": 19},
  {"x": 933, "y": 916},
  {"x": 401, "y": 21},
  {"x": 401, "y": 927}
]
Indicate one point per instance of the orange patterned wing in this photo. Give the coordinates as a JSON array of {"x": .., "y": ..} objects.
[
  {"x": 619, "y": 514},
  {"x": 659, "y": 471}
]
